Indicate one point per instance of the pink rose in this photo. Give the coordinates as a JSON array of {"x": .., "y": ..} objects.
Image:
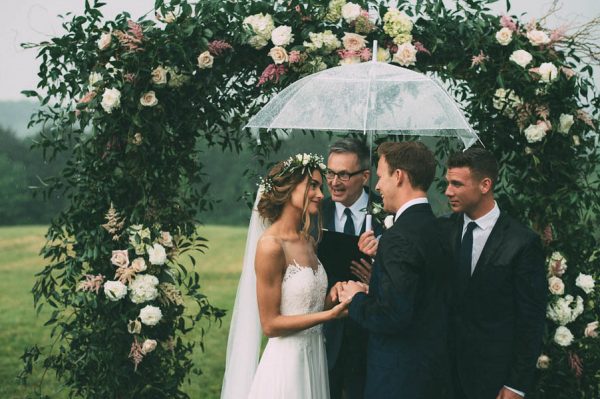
[{"x": 120, "y": 258}]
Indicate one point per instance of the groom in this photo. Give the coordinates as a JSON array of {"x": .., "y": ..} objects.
[{"x": 405, "y": 309}]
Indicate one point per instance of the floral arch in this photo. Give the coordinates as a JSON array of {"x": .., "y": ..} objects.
[{"x": 136, "y": 103}]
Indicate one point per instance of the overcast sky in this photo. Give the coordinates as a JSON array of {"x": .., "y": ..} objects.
[{"x": 36, "y": 20}]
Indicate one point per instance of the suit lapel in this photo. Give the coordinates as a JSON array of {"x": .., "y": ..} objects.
[
  {"x": 329, "y": 214},
  {"x": 492, "y": 245}
]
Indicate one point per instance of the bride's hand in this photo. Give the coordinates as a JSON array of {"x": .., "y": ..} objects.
[{"x": 340, "y": 310}]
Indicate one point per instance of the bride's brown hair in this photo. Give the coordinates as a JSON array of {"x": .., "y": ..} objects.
[{"x": 281, "y": 182}]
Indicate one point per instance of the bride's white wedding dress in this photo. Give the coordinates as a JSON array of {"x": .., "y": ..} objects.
[{"x": 295, "y": 366}]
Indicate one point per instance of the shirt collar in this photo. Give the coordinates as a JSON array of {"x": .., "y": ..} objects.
[
  {"x": 487, "y": 221},
  {"x": 360, "y": 205},
  {"x": 420, "y": 200}
]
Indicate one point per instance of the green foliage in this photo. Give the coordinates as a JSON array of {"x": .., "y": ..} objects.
[{"x": 157, "y": 96}]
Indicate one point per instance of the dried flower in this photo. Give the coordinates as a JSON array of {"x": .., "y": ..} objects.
[
  {"x": 136, "y": 353},
  {"x": 91, "y": 283},
  {"x": 170, "y": 294},
  {"x": 576, "y": 364},
  {"x": 132, "y": 39},
  {"x": 218, "y": 47},
  {"x": 271, "y": 73},
  {"x": 114, "y": 222},
  {"x": 478, "y": 59}
]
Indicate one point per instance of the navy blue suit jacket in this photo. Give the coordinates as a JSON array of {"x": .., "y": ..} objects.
[{"x": 405, "y": 311}]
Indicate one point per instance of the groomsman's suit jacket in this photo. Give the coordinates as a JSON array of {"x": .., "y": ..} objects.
[
  {"x": 405, "y": 311},
  {"x": 344, "y": 335},
  {"x": 498, "y": 318}
]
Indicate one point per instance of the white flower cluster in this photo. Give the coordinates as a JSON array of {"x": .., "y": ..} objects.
[
  {"x": 565, "y": 310},
  {"x": 398, "y": 26},
  {"x": 324, "y": 42},
  {"x": 143, "y": 288},
  {"x": 557, "y": 264},
  {"x": 261, "y": 25},
  {"x": 150, "y": 315},
  {"x": 350, "y": 12},
  {"x": 506, "y": 101}
]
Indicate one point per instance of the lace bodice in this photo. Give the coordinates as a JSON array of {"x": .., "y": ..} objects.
[{"x": 303, "y": 290}]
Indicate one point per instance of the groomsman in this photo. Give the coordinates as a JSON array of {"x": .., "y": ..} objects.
[
  {"x": 344, "y": 212},
  {"x": 499, "y": 304}
]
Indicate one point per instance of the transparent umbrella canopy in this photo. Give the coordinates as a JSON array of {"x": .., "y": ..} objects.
[{"x": 369, "y": 97}]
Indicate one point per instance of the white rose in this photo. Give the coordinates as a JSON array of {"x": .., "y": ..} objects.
[
  {"x": 563, "y": 336},
  {"x": 406, "y": 54},
  {"x": 94, "y": 78},
  {"x": 257, "y": 42},
  {"x": 585, "y": 282},
  {"x": 120, "y": 258},
  {"x": 159, "y": 76},
  {"x": 565, "y": 123},
  {"x": 556, "y": 286},
  {"x": 537, "y": 37},
  {"x": 278, "y": 54},
  {"x": 150, "y": 315},
  {"x": 350, "y": 12},
  {"x": 548, "y": 72},
  {"x": 504, "y": 36},
  {"x": 148, "y": 346},
  {"x": 576, "y": 140},
  {"x": 590, "y": 330},
  {"x": 143, "y": 288},
  {"x": 157, "y": 254},
  {"x": 521, "y": 58},
  {"x": 262, "y": 25},
  {"x": 111, "y": 99},
  {"x": 282, "y": 36},
  {"x": 383, "y": 55},
  {"x": 205, "y": 60},
  {"x": 149, "y": 99},
  {"x": 134, "y": 327},
  {"x": 534, "y": 133},
  {"x": 139, "y": 265},
  {"x": 353, "y": 41},
  {"x": 388, "y": 222},
  {"x": 115, "y": 290},
  {"x": 104, "y": 41},
  {"x": 166, "y": 239},
  {"x": 543, "y": 362}
]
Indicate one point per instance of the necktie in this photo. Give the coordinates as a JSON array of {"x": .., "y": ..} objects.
[
  {"x": 349, "y": 225},
  {"x": 466, "y": 253}
]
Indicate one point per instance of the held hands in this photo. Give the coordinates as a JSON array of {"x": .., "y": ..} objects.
[
  {"x": 351, "y": 288},
  {"x": 367, "y": 243}
]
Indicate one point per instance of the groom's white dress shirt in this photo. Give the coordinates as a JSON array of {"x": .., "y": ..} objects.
[
  {"x": 420, "y": 200},
  {"x": 481, "y": 233}
]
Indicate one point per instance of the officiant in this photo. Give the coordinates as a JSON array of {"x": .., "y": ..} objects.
[{"x": 347, "y": 177}]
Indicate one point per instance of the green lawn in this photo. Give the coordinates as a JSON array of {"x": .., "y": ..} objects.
[{"x": 219, "y": 270}]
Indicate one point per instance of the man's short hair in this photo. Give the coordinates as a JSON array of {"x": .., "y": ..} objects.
[
  {"x": 352, "y": 146},
  {"x": 481, "y": 162},
  {"x": 414, "y": 158}
]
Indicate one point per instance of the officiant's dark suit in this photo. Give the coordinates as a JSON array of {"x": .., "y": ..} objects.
[
  {"x": 499, "y": 302},
  {"x": 405, "y": 311},
  {"x": 346, "y": 342}
]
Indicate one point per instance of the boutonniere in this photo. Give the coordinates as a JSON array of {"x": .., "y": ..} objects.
[{"x": 384, "y": 218}]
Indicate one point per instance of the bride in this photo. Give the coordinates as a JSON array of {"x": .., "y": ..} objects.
[{"x": 283, "y": 289}]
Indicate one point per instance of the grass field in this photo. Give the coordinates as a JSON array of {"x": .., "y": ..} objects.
[{"x": 219, "y": 270}]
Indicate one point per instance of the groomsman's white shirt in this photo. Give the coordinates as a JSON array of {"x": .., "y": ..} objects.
[
  {"x": 359, "y": 210},
  {"x": 481, "y": 233}
]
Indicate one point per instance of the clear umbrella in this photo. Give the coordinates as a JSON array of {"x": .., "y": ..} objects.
[{"x": 368, "y": 97}]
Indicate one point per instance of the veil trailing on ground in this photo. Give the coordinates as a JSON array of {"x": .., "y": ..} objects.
[{"x": 243, "y": 345}]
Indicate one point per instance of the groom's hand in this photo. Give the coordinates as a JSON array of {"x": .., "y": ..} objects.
[
  {"x": 350, "y": 289},
  {"x": 367, "y": 243},
  {"x": 506, "y": 393}
]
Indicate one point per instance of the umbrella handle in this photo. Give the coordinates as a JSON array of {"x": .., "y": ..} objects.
[{"x": 368, "y": 222}]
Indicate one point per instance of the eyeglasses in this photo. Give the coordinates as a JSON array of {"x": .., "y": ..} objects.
[{"x": 343, "y": 176}]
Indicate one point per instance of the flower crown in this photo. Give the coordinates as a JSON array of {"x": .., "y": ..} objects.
[{"x": 305, "y": 162}]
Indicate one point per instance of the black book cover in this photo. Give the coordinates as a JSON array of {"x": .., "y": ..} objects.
[{"x": 336, "y": 251}]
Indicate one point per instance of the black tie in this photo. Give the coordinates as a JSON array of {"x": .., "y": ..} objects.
[
  {"x": 466, "y": 253},
  {"x": 349, "y": 225}
]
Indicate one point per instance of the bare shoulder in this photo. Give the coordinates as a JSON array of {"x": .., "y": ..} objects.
[{"x": 269, "y": 253}]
